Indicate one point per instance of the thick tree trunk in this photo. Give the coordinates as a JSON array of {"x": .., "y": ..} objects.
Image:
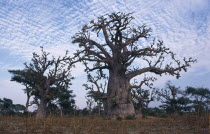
[
  {"x": 61, "y": 112},
  {"x": 42, "y": 109},
  {"x": 105, "y": 106},
  {"x": 27, "y": 105},
  {"x": 119, "y": 101},
  {"x": 99, "y": 109}
]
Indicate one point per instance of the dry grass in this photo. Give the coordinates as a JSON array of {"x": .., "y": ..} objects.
[{"x": 187, "y": 124}]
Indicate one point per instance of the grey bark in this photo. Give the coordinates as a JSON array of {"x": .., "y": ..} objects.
[
  {"x": 105, "y": 106},
  {"x": 27, "y": 104},
  {"x": 119, "y": 101},
  {"x": 42, "y": 109}
]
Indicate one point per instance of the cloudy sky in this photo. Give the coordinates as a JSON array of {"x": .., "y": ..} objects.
[{"x": 25, "y": 25}]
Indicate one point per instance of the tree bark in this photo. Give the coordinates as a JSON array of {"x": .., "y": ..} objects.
[
  {"x": 105, "y": 107},
  {"x": 27, "y": 104},
  {"x": 61, "y": 112},
  {"x": 42, "y": 109},
  {"x": 99, "y": 109},
  {"x": 27, "y": 101},
  {"x": 119, "y": 101}
]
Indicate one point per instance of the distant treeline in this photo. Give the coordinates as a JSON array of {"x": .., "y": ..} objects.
[{"x": 173, "y": 101}]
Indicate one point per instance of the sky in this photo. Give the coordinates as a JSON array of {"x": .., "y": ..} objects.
[{"x": 25, "y": 25}]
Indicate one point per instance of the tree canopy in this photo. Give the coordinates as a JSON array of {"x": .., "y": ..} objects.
[
  {"x": 45, "y": 77},
  {"x": 113, "y": 43}
]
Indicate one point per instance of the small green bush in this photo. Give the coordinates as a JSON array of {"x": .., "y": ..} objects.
[
  {"x": 144, "y": 116},
  {"x": 162, "y": 115},
  {"x": 119, "y": 118},
  {"x": 130, "y": 117}
]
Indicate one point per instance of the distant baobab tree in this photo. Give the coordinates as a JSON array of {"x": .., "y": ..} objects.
[
  {"x": 45, "y": 76},
  {"x": 97, "y": 90}
]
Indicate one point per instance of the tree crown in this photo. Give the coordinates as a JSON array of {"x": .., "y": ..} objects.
[{"x": 112, "y": 42}]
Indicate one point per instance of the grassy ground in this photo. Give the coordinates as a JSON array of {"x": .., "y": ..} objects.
[{"x": 187, "y": 124}]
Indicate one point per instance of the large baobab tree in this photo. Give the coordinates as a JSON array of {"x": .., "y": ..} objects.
[
  {"x": 112, "y": 43},
  {"x": 45, "y": 76}
]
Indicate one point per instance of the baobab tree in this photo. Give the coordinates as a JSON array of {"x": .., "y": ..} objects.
[
  {"x": 141, "y": 96},
  {"x": 90, "y": 104},
  {"x": 112, "y": 43},
  {"x": 170, "y": 96},
  {"x": 97, "y": 90},
  {"x": 45, "y": 76}
]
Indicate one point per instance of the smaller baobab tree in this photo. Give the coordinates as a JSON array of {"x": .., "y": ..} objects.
[
  {"x": 97, "y": 90},
  {"x": 141, "y": 96},
  {"x": 90, "y": 104},
  {"x": 173, "y": 99},
  {"x": 46, "y": 76}
]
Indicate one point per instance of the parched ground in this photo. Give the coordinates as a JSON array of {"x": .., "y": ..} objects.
[{"x": 187, "y": 124}]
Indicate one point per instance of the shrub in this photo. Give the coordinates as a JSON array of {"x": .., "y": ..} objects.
[
  {"x": 119, "y": 118},
  {"x": 130, "y": 117}
]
